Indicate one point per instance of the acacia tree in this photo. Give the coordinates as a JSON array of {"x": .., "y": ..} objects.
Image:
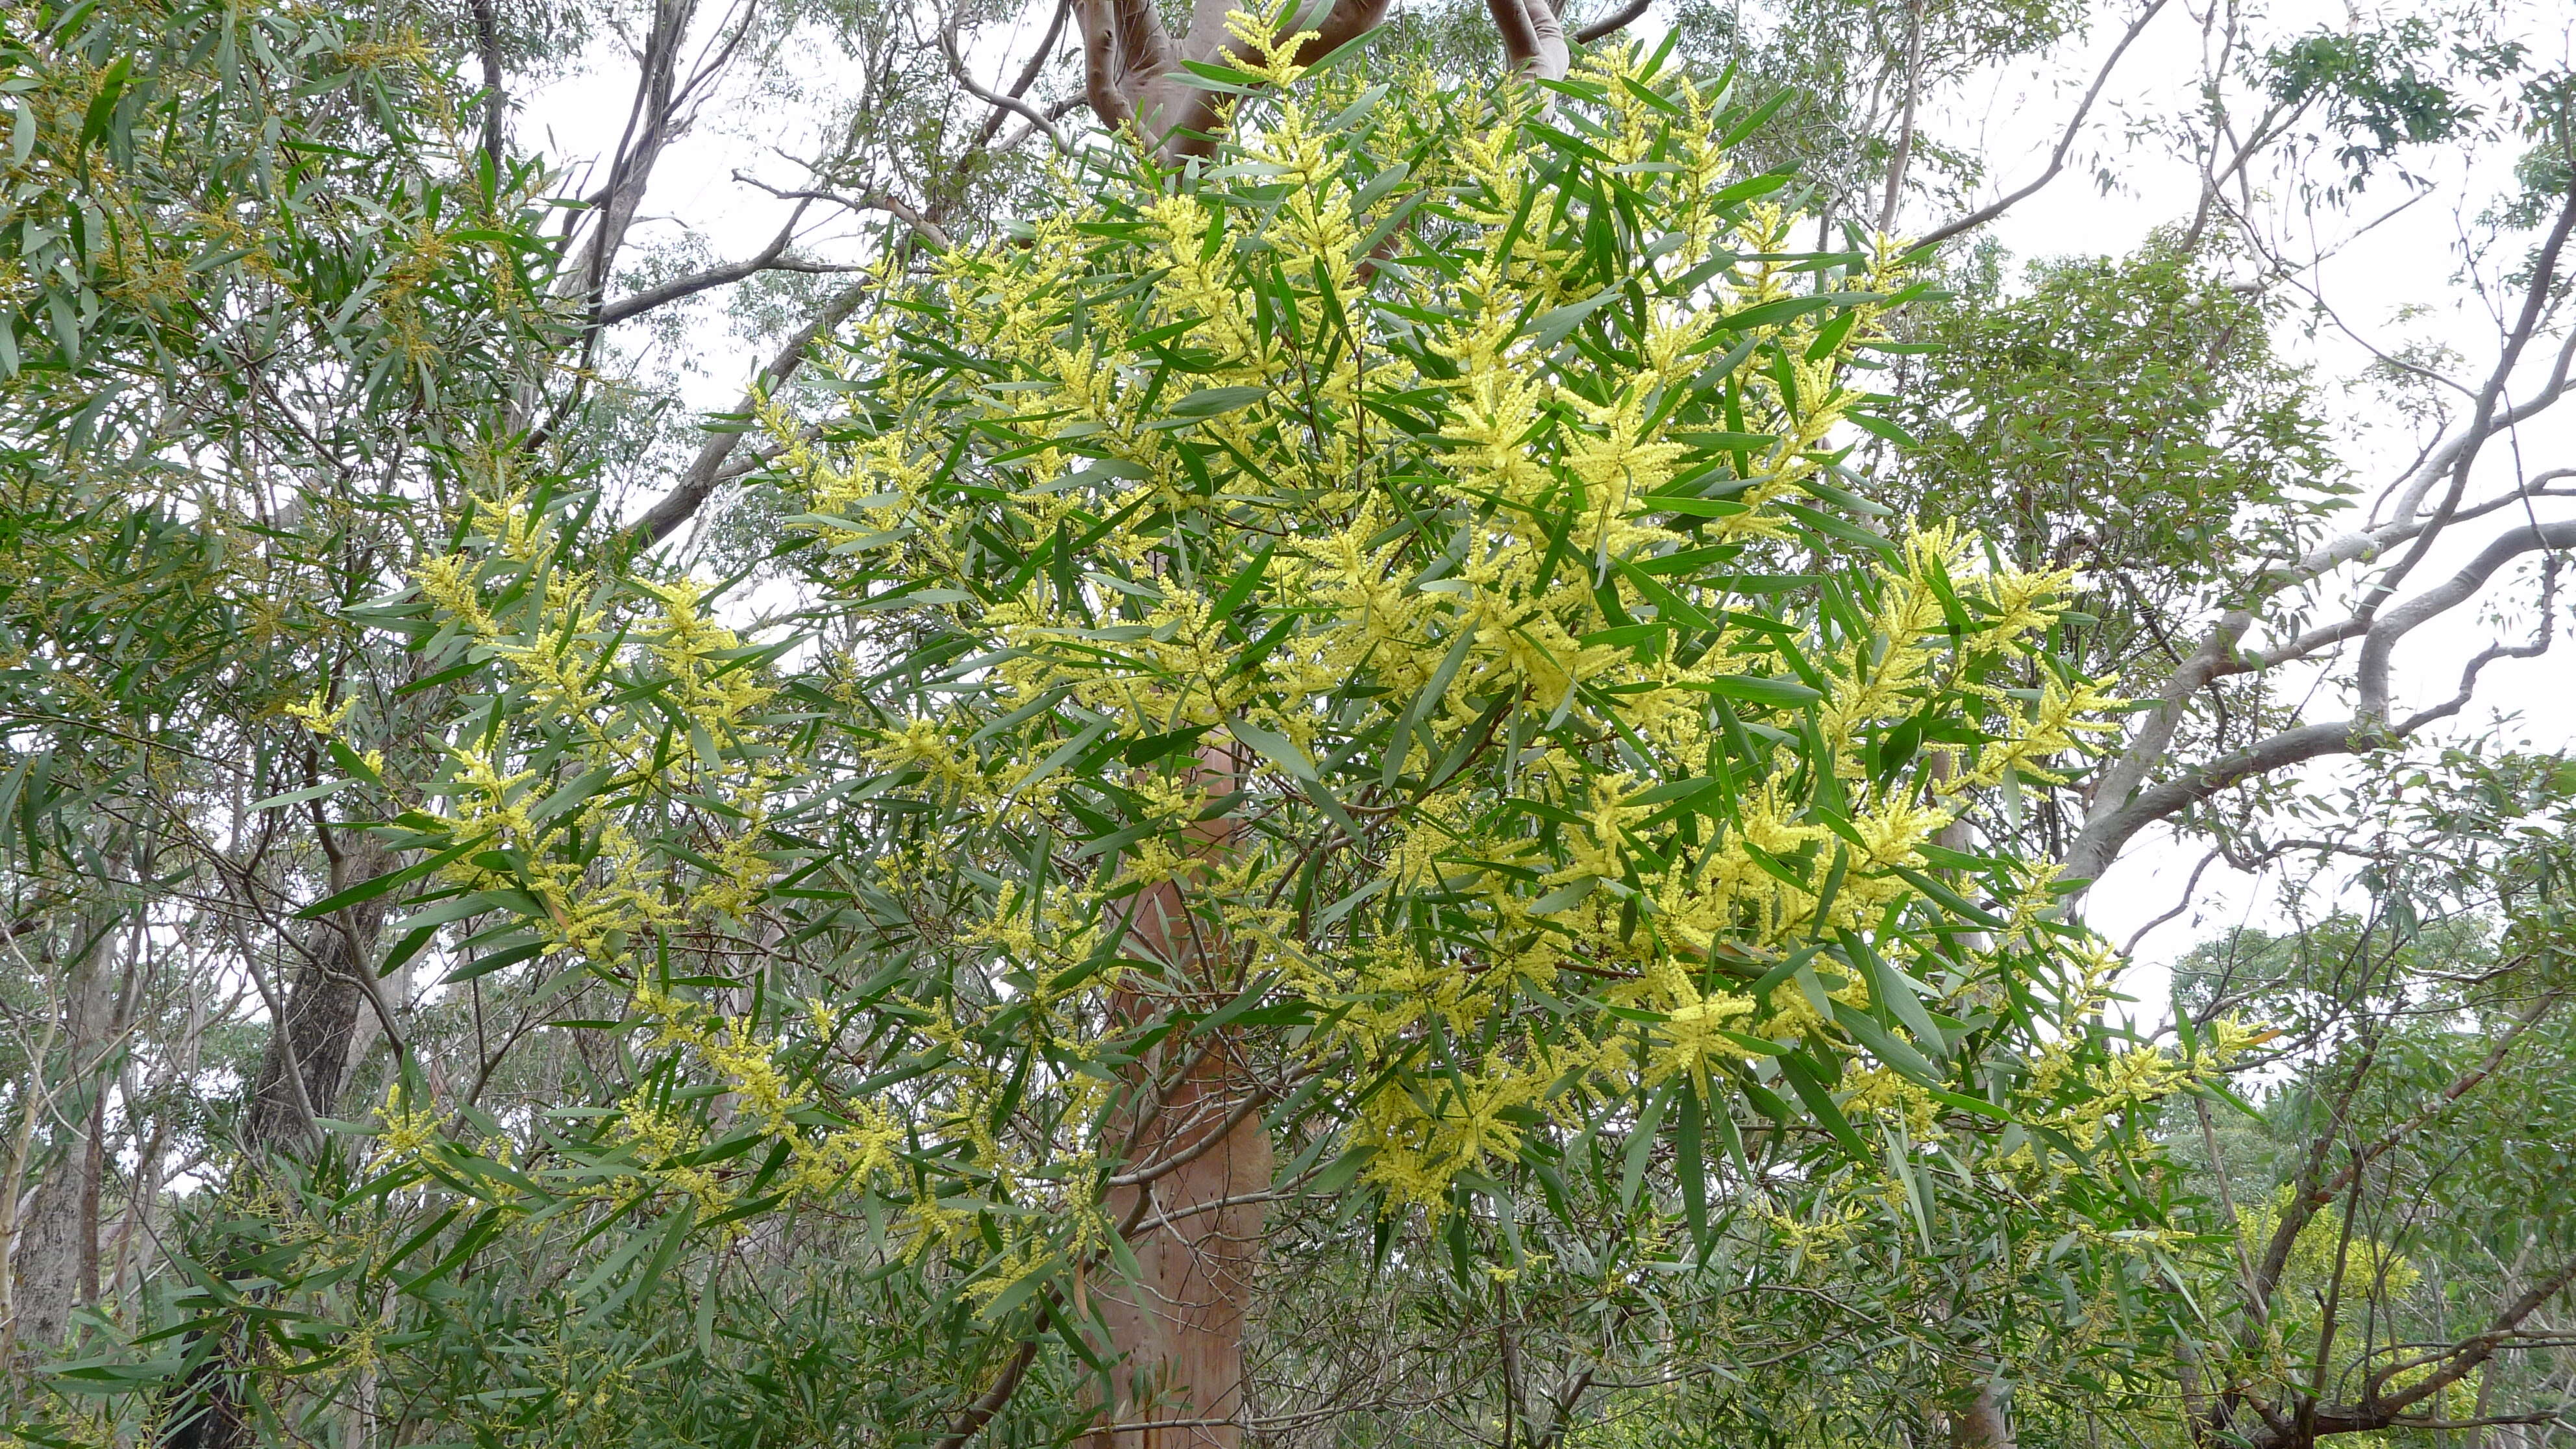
[
  {"x": 306, "y": 508},
  {"x": 1386, "y": 702}
]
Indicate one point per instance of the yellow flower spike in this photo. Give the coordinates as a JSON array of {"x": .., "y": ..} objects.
[{"x": 1383, "y": 565}]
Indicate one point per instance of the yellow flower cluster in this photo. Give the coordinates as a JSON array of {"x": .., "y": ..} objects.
[
  {"x": 702, "y": 742},
  {"x": 1406, "y": 600},
  {"x": 1469, "y": 524}
]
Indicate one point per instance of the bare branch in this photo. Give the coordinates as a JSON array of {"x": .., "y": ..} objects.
[
  {"x": 1008, "y": 102},
  {"x": 708, "y": 469},
  {"x": 2131, "y": 945},
  {"x": 2065, "y": 142},
  {"x": 2380, "y": 645},
  {"x": 1903, "y": 153},
  {"x": 887, "y": 202},
  {"x": 1056, "y": 112},
  {"x": 903, "y": 211},
  {"x": 2478, "y": 662},
  {"x": 2439, "y": 460},
  {"x": 2120, "y": 816},
  {"x": 772, "y": 258},
  {"x": 651, "y": 124},
  {"x": 1612, "y": 23},
  {"x": 1209, "y": 1139},
  {"x": 1028, "y": 77},
  {"x": 2374, "y": 685}
]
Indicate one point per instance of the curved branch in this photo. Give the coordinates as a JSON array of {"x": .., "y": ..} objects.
[
  {"x": 903, "y": 211},
  {"x": 2065, "y": 142},
  {"x": 2380, "y": 644},
  {"x": 2478, "y": 662},
  {"x": 2544, "y": 276},
  {"x": 2471, "y": 1353},
  {"x": 2128, "y": 808},
  {"x": 2131, "y": 945},
  {"x": 1010, "y": 102},
  {"x": 1028, "y": 77},
  {"x": 1612, "y": 23}
]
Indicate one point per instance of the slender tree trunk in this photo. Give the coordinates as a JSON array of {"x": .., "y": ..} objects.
[
  {"x": 13, "y": 1180},
  {"x": 300, "y": 1077},
  {"x": 58, "y": 1247},
  {"x": 309, "y": 1052},
  {"x": 1980, "y": 1423},
  {"x": 1177, "y": 1331},
  {"x": 1904, "y": 150}
]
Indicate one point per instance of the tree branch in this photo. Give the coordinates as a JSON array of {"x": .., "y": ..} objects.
[
  {"x": 2478, "y": 662},
  {"x": 2372, "y": 676},
  {"x": 981, "y": 1412},
  {"x": 487, "y": 49},
  {"x": 1010, "y": 101},
  {"x": 2131, "y": 945},
  {"x": 2380, "y": 644},
  {"x": 886, "y": 202},
  {"x": 1028, "y": 77},
  {"x": 1533, "y": 37},
  {"x": 707, "y": 469},
  {"x": 2379, "y": 1413},
  {"x": 772, "y": 258},
  {"x": 2065, "y": 142},
  {"x": 1612, "y": 23},
  {"x": 1100, "y": 64},
  {"x": 2123, "y": 813}
]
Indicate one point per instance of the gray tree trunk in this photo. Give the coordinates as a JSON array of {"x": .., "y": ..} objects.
[
  {"x": 1980, "y": 1422},
  {"x": 60, "y": 1237},
  {"x": 309, "y": 1052}
]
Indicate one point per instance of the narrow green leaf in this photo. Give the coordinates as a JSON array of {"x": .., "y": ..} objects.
[{"x": 1278, "y": 749}]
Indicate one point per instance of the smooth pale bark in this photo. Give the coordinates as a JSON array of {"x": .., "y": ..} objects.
[
  {"x": 1177, "y": 1331},
  {"x": 1980, "y": 1422},
  {"x": 1181, "y": 118}
]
